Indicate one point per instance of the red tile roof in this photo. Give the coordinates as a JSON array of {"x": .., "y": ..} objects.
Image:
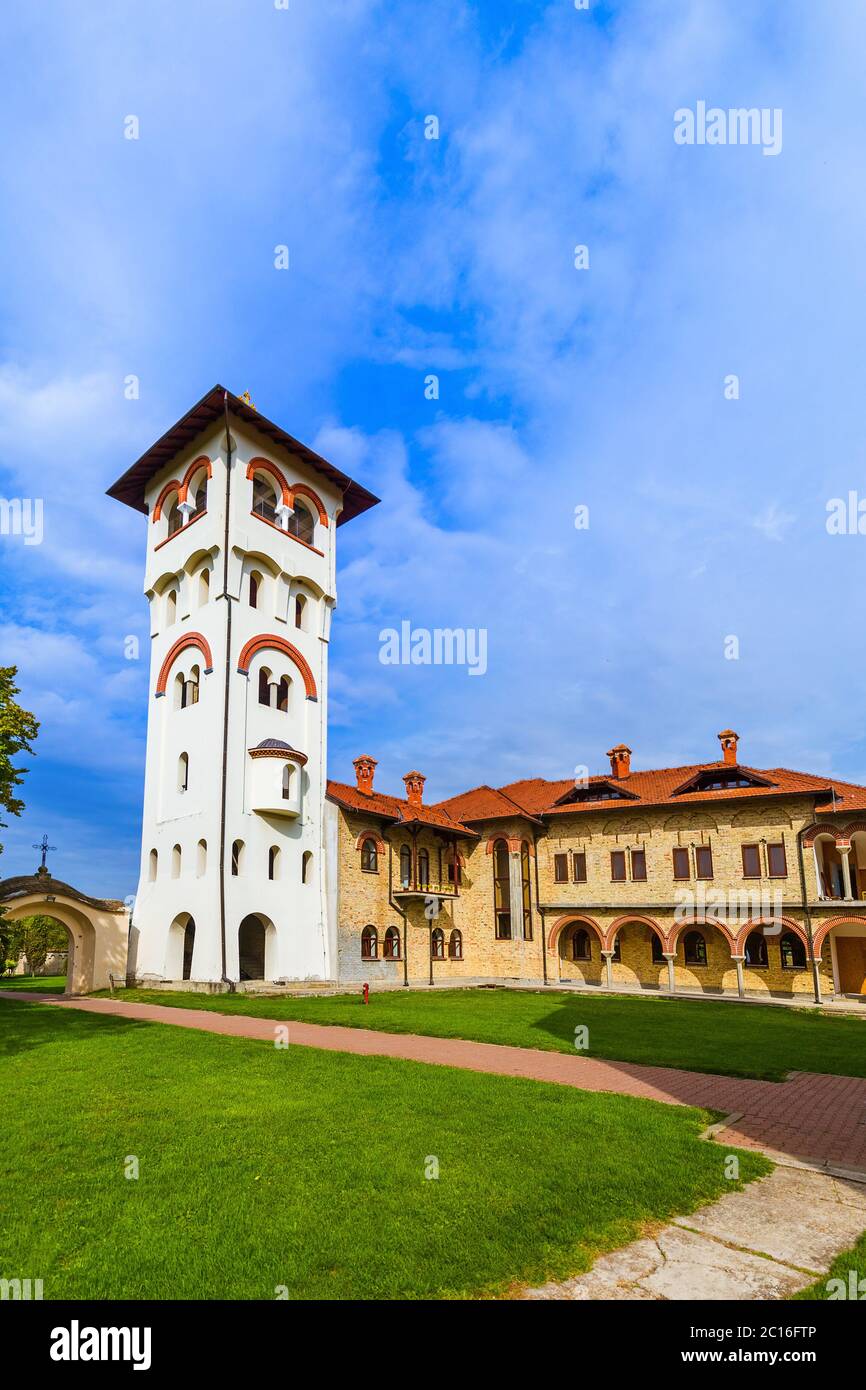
[{"x": 535, "y": 798}]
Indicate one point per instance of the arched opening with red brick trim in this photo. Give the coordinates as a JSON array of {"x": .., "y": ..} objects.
[
  {"x": 638, "y": 944},
  {"x": 577, "y": 942},
  {"x": 190, "y": 639},
  {"x": 840, "y": 943},
  {"x": 271, "y": 642}
]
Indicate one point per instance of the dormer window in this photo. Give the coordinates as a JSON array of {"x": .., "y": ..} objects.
[
  {"x": 595, "y": 791},
  {"x": 722, "y": 779}
]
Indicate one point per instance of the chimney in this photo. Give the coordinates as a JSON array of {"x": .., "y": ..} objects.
[
  {"x": 415, "y": 788},
  {"x": 729, "y": 740},
  {"x": 620, "y": 760},
  {"x": 364, "y": 769}
]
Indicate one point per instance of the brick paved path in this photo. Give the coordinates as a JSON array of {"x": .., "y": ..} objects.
[{"x": 815, "y": 1118}]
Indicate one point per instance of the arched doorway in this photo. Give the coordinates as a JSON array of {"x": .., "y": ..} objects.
[
  {"x": 98, "y": 928},
  {"x": 180, "y": 948},
  {"x": 251, "y": 948}
]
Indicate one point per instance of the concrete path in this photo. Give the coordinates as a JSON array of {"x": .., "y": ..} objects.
[
  {"x": 817, "y": 1119},
  {"x": 777, "y": 1236}
]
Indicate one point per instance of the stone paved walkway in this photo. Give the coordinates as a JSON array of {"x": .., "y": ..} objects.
[{"x": 811, "y": 1118}]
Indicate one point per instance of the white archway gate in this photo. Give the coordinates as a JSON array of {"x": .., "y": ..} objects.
[{"x": 98, "y": 928}]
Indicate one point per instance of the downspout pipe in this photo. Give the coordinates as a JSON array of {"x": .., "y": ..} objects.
[
  {"x": 807, "y": 917},
  {"x": 226, "y": 691}
]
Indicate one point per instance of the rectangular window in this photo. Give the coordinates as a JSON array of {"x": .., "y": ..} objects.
[
  {"x": 751, "y": 861},
  {"x": 776, "y": 862},
  {"x": 617, "y": 865},
  {"x": 560, "y": 868},
  {"x": 681, "y": 864},
  {"x": 578, "y": 866},
  {"x": 638, "y": 865},
  {"x": 503, "y": 926},
  {"x": 704, "y": 861}
]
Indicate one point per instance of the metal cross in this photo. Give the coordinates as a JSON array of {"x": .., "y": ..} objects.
[{"x": 45, "y": 848}]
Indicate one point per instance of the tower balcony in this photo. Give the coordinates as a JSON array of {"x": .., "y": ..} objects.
[{"x": 277, "y": 778}]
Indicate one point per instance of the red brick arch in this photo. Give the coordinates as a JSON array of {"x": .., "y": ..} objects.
[
  {"x": 271, "y": 642},
  {"x": 201, "y": 462},
  {"x": 301, "y": 490},
  {"x": 174, "y": 486},
  {"x": 822, "y": 828},
  {"x": 263, "y": 465},
  {"x": 696, "y": 923},
  {"x": 820, "y": 936},
  {"x": 573, "y": 919},
  {"x": 788, "y": 924},
  {"x": 370, "y": 835},
  {"x": 633, "y": 917},
  {"x": 189, "y": 639}
]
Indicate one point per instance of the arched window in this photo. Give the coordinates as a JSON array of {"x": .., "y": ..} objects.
[
  {"x": 283, "y": 694},
  {"x": 175, "y": 516},
  {"x": 301, "y": 523},
  {"x": 201, "y": 859},
  {"x": 179, "y": 690},
  {"x": 369, "y": 856},
  {"x": 264, "y": 686},
  {"x": 756, "y": 950},
  {"x": 153, "y": 865},
  {"x": 175, "y": 862},
  {"x": 183, "y": 772},
  {"x": 306, "y": 865},
  {"x": 581, "y": 946},
  {"x": 527, "y": 890},
  {"x": 617, "y": 947},
  {"x": 203, "y": 588},
  {"x": 391, "y": 944},
  {"x": 423, "y": 868},
  {"x": 501, "y": 890},
  {"x": 237, "y": 857},
  {"x": 264, "y": 497},
  {"x": 171, "y": 607},
  {"x": 369, "y": 943},
  {"x": 300, "y": 612},
  {"x": 190, "y": 687},
  {"x": 188, "y": 948},
  {"x": 198, "y": 494},
  {"x": 405, "y": 867},
  {"x": 695, "y": 948},
  {"x": 792, "y": 951},
  {"x": 288, "y": 774},
  {"x": 455, "y": 945},
  {"x": 255, "y": 587},
  {"x": 273, "y": 862},
  {"x": 437, "y": 943}
]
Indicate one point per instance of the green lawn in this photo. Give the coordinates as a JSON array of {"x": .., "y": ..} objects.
[
  {"x": 262, "y": 1167},
  {"x": 38, "y": 984},
  {"x": 700, "y": 1035},
  {"x": 854, "y": 1259}
]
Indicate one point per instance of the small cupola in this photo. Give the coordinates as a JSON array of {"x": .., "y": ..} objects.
[
  {"x": 620, "y": 760},
  {"x": 365, "y": 769},
  {"x": 729, "y": 741},
  {"x": 415, "y": 788}
]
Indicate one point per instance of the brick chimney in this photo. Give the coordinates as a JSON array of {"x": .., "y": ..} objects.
[
  {"x": 364, "y": 770},
  {"x": 415, "y": 788},
  {"x": 729, "y": 740},
  {"x": 620, "y": 760}
]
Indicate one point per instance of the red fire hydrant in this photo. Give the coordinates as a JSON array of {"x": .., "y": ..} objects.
[{"x": 366, "y": 994}]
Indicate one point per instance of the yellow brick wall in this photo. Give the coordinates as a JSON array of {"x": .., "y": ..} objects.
[{"x": 363, "y": 898}]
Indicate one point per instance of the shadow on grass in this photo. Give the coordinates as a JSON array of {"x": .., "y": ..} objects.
[{"x": 28, "y": 1025}]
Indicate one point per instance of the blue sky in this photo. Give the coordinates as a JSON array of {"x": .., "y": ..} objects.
[{"x": 558, "y": 387}]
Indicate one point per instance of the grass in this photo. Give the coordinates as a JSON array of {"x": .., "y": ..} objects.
[
  {"x": 853, "y": 1259},
  {"x": 262, "y": 1167},
  {"x": 37, "y": 984},
  {"x": 762, "y": 1041}
]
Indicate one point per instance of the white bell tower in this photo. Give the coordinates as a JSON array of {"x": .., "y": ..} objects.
[{"x": 240, "y": 579}]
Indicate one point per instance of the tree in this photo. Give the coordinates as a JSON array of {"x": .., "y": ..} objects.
[
  {"x": 34, "y": 937},
  {"x": 18, "y": 728}
]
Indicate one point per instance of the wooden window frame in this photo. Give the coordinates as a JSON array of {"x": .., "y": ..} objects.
[
  {"x": 699, "y": 850},
  {"x": 560, "y": 862},
  {"x": 638, "y": 878},
  {"x": 677, "y": 853},
  {"x": 370, "y": 933},
  {"x": 617, "y": 856},
  {"x": 578, "y": 877},
  {"x": 777, "y": 845},
  {"x": 369, "y": 847},
  {"x": 757, "y": 849}
]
